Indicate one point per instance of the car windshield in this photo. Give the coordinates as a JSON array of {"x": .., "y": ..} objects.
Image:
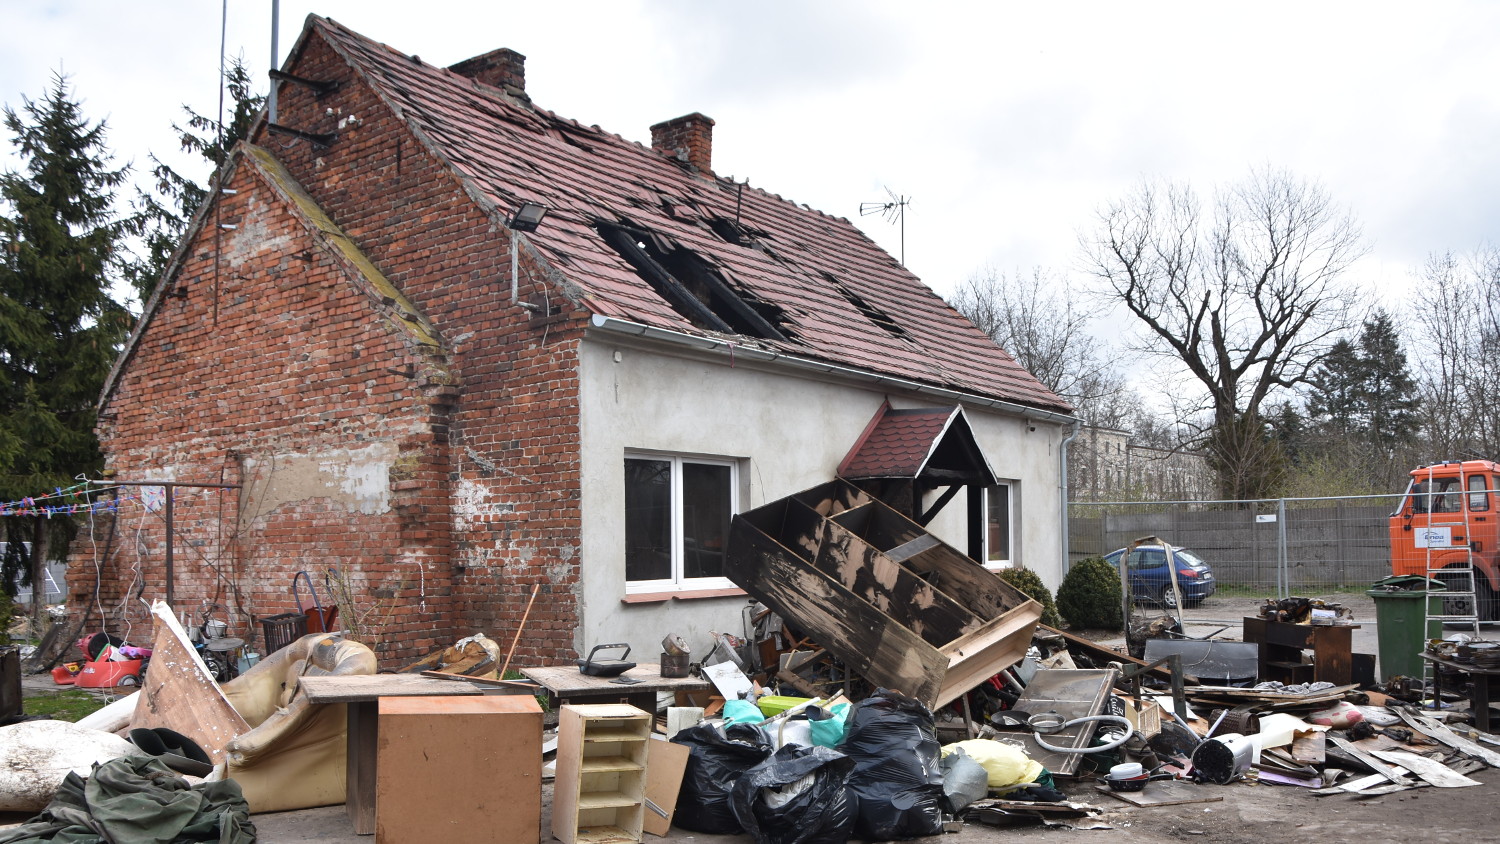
[{"x": 1183, "y": 555}]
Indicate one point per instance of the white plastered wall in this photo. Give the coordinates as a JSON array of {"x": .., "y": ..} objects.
[{"x": 789, "y": 431}]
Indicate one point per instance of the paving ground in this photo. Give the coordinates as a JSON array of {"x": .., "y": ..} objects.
[{"x": 1247, "y": 813}]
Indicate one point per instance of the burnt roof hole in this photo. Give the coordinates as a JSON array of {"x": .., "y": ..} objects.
[
  {"x": 872, "y": 313},
  {"x": 732, "y": 231},
  {"x": 690, "y": 285}
]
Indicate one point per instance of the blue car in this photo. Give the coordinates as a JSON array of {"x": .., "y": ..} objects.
[{"x": 1151, "y": 580}]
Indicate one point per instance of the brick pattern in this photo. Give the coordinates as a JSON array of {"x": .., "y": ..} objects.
[{"x": 689, "y": 139}]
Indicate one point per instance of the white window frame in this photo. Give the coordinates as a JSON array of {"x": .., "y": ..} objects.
[
  {"x": 677, "y": 582},
  {"x": 1011, "y": 558}
]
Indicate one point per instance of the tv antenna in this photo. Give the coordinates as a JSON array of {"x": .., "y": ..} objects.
[{"x": 893, "y": 211}]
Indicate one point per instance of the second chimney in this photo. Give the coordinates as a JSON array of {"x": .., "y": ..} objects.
[
  {"x": 689, "y": 139},
  {"x": 503, "y": 68}
]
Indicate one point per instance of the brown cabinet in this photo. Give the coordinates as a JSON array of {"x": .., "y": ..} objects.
[
  {"x": 1282, "y": 646},
  {"x": 456, "y": 769},
  {"x": 599, "y": 792}
]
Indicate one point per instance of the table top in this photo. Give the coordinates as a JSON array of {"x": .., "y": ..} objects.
[
  {"x": 1466, "y": 667},
  {"x": 564, "y": 680},
  {"x": 356, "y": 688}
]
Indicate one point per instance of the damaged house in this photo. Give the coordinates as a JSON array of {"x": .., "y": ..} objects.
[{"x": 453, "y": 347}]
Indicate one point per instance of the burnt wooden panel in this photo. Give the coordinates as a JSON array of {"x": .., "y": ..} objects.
[
  {"x": 861, "y": 636},
  {"x": 898, "y": 593},
  {"x": 833, "y": 497},
  {"x": 789, "y": 523}
]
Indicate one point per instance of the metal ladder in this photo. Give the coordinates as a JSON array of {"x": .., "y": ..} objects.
[{"x": 1460, "y": 603}]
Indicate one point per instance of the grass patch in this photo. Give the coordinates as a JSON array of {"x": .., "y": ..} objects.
[
  {"x": 69, "y": 705},
  {"x": 1304, "y": 590}
]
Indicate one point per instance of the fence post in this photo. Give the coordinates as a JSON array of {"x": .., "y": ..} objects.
[
  {"x": 1284, "y": 574},
  {"x": 1341, "y": 542}
]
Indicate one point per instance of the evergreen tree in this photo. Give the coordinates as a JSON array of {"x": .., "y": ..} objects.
[
  {"x": 1335, "y": 393},
  {"x": 60, "y": 248},
  {"x": 165, "y": 214},
  {"x": 1388, "y": 392}
]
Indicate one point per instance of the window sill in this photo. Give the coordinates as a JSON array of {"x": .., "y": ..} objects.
[{"x": 683, "y": 595}]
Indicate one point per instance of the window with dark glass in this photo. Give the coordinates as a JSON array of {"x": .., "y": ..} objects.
[{"x": 677, "y": 512}]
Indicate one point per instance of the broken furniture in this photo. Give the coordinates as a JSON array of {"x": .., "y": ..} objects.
[
  {"x": 566, "y": 684},
  {"x": 599, "y": 793},
  {"x": 1282, "y": 646},
  {"x": 292, "y": 757},
  {"x": 1069, "y": 694},
  {"x": 181, "y": 694},
  {"x": 360, "y": 695},
  {"x": 874, "y": 588},
  {"x": 1482, "y": 680},
  {"x": 479, "y": 758}
]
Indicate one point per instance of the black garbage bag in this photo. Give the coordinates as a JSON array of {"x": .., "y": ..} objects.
[
  {"x": 798, "y": 796},
  {"x": 898, "y": 774},
  {"x": 715, "y": 763}
]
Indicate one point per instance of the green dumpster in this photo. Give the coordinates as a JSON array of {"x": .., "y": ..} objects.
[{"x": 1400, "y": 615}]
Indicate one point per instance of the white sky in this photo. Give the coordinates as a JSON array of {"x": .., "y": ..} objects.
[{"x": 1008, "y": 123}]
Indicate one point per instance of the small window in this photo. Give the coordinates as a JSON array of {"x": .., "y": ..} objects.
[
  {"x": 1148, "y": 558},
  {"x": 1000, "y": 526},
  {"x": 1479, "y": 498},
  {"x": 677, "y": 512}
]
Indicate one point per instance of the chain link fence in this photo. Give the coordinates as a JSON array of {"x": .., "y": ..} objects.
[{"x": 1287, "y": 546}]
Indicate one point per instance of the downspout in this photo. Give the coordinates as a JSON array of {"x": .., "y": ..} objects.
[{"x": 1062, "y": 458}]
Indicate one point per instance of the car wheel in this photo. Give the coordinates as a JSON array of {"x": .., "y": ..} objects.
[{"x": 1168, "y": 599}]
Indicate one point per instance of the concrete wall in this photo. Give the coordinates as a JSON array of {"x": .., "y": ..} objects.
[{"x": 789, "y": 431}]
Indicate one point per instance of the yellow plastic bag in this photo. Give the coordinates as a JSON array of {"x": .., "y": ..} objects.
[{"x": 1005, "y": 764}]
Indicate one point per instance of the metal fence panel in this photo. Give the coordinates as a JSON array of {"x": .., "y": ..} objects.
[{"x": 1276, "y": 546}]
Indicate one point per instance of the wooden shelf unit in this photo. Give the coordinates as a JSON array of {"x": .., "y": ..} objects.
[{"x": 599, "y": 792}]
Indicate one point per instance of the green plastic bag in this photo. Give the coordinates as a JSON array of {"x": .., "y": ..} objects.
[
  {"x": 742, "y": 712},
  {"x": 829, "y": 732}
]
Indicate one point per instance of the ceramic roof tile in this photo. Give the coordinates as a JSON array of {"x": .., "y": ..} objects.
[
  {"x": 898, "y": 444},
  {"x": 795, "y": 258}
]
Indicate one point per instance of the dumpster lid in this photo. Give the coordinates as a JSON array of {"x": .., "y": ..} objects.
[{"x": 1405, "y": 583}]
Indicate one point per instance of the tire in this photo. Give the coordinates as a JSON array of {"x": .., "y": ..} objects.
[
  {"x": 129, "y": 680},
  {"x": 1167, "y": 598}
]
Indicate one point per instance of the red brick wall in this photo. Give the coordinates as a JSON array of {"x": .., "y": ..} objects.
[{"x": 276, "y": 352}]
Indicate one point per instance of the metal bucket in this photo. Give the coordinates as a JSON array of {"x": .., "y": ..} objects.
[{"x": 675, "y": 665}]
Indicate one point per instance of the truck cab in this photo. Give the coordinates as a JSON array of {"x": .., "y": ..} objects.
[{"x": 1449, "y": 518}]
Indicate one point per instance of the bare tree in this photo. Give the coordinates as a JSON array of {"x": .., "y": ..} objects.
[
  {"x": 1034, "y": 319},
  {"x": 1457, "y": 349},
  {"x": 1248, "y": 297}
]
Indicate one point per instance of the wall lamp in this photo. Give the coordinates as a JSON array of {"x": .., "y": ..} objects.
[{"x": 527, "y": 217}]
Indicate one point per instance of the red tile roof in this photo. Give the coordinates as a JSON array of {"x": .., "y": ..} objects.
[
  {"x": 794, "y": 259},
  {"x": 905, "y": 443}
]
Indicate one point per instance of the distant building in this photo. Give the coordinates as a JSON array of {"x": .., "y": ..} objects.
[{"x": 1104, "y": 465}]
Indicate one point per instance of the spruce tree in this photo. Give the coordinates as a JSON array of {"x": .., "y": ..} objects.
[
  {"x": 60, "y": 248},
  {"x": 164, "y": 214}
]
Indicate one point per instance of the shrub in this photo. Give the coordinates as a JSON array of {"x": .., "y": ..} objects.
[
  {"x": 1027, "y": 581},
  {"x": 1089, "y": 596}
]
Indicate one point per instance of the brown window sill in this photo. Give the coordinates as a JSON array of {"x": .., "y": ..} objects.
[{"x": 688, "y": 595}]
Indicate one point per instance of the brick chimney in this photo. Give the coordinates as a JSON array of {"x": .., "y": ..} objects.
[
  {"x": 503, "y": 68},
  {"x": 689, "y": 139}
]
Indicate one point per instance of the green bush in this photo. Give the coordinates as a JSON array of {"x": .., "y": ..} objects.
[
  {"x": 1089, "y": 597},
  {"x": 1027, "y": 581}
]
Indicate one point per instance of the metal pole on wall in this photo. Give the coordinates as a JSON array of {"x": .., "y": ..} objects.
[{"x": 1283, "y": 573}]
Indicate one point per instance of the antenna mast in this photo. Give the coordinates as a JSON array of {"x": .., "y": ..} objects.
[{"x": 893, "y": 211}]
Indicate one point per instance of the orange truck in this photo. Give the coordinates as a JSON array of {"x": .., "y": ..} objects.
[{"x": 1449, "y": 518}]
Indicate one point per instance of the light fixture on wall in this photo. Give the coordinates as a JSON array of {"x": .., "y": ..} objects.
[{"x": 527, "y": 217}]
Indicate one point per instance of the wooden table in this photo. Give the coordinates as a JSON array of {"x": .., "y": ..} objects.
[
  {"x": 1483, "y": 680},
  {"x": 362, "y": 693},
  {"x": 1282, "y": 644},
  {"x": 566, "y": 684}
]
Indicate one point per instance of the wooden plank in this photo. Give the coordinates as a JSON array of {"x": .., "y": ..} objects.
[
  {"x": 862, "y": 637},
  {"x": 358, "y": 687},
  {"x": 1431, "y": 771},
  {"x": 885, "y": 585},
  {"x": 665, "y": 764},
  {"x": 1167, "y": 793},
  {"x": 1310, "y": 748},
  {"x": 179, "y": 693},
  {"x": 1438, "y": 731},
  {"x": 982, "y": 654},
  {"x": 360, "y": 756}
]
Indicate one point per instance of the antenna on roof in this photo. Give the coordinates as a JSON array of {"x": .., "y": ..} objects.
[{"x": 893, "y": 212}]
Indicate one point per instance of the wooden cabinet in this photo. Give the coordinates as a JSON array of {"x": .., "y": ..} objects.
[
  {"x": 599, "y": 792},
  {"x": 1282, "y": 646},
  {"x": 459, "y": 769}
]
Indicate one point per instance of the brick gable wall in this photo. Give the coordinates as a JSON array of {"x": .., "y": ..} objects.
[
  {"x": 287, "y": 381},
  {"x": 513, "y": 471}
]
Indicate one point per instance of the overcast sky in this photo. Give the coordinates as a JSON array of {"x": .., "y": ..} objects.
[{"x": 1008, "y": 123}]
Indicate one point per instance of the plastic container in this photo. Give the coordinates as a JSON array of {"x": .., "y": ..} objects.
[
  {"x": 773, "y": 705},
  {"x": 105, "y": 675},
  {"x": 1402, "y": 604},
  {"x": 282, "y": 630},
  {"x": 62, "y": 676}
]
